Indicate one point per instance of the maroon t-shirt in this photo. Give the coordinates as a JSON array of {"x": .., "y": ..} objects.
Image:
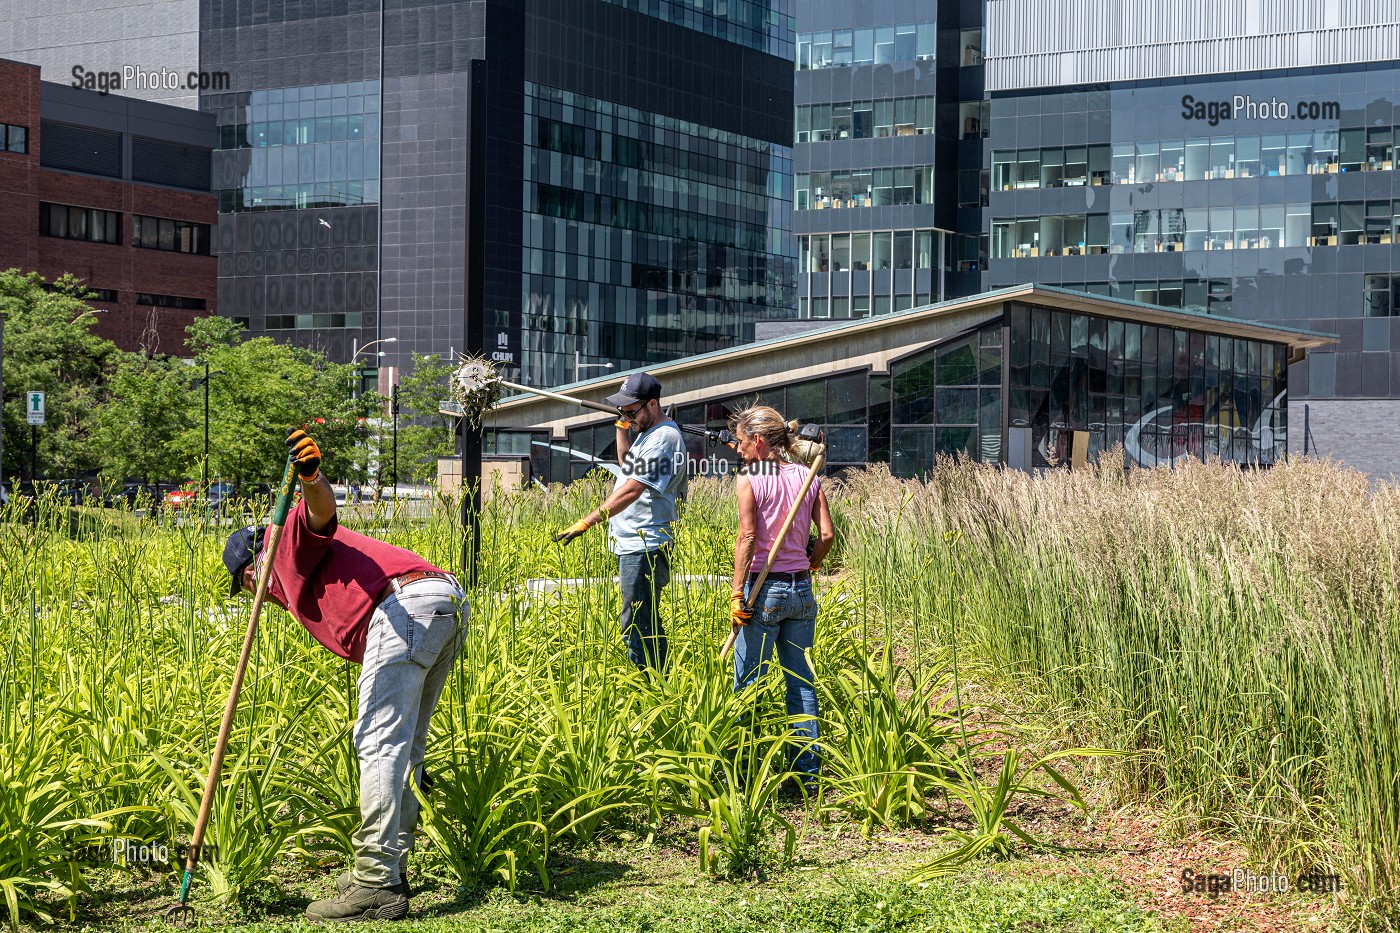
[{"x": 331, "y": 581}]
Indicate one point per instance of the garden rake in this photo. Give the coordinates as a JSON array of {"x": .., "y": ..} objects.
[
  {"x": 182, "y": 914},
  {"x": 808, "y": 448},
  {"x": 476, "y": 386}
]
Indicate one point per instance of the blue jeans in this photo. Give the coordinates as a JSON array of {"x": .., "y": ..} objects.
[
  {"x": 642, "y": 577},
  {"x": 410, "y": 647},
  {"x": 785, "y": 617}
]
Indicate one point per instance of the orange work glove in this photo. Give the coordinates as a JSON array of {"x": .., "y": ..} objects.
[
  {"x": 305, "y": 453},
  {"x": 738, "y": 615},
  {"x": 573, "y": 531}
]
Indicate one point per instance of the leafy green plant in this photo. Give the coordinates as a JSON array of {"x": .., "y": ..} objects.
[
  {"x": 488, "y": 819},
  {"x": 744, "y": 819},
  {"x": 889, "y": 727}
]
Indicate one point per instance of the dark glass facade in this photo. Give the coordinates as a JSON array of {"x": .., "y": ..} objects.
[
  {"x": 1285, "y": 210},
  {"x": 647, "y": 238},
  {"x": 1162, "y": 392},
  {"x": 766, "y": 25},
  {"x": 344, "y": 157}
]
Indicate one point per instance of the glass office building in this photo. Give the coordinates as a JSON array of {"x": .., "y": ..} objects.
[
  {"x": 637, "y": 181},
  {"x": 871, "y": 239},
  {"x": 1269, "y": 196}
]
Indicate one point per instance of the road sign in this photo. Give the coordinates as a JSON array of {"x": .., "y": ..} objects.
[{"x": 34, "y": 407}]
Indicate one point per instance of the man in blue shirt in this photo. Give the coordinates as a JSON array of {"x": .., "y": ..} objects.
[{"x": 640, "y": 511}]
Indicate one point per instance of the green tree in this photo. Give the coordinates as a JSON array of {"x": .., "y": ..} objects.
[
  {"x": 49, "y": 347},
  {"x": 265, "y": 388},
  {"x": 424, "y": 433},
  {"x": 147, "y": 413}
]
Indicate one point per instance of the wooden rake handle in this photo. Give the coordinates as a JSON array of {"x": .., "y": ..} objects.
[
  {"x": 817, "y": 463},
  {"x": 216, "y": 765}
]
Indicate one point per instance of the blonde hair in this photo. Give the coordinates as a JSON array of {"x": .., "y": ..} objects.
[{"x": 762, "y": 421}]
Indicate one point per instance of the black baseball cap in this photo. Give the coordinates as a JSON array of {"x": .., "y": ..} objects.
[
  {"x": 638, "y": 387},
  {"x": 238, "y": 552}
]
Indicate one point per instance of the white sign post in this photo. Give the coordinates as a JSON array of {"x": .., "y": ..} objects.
[{"x": 34, "y": 407}]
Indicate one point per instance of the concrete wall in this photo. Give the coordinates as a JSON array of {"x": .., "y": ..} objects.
[
  {"x": 105, "y": 35},
  {"x": 1362, "y": 433}
]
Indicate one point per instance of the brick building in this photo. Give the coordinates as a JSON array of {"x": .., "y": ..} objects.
[{"x": 116, "y": 191}]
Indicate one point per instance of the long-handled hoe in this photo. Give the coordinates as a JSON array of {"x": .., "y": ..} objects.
[{"x": 182, "y": 914}]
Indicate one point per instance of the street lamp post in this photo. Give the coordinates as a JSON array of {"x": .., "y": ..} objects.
[
  {"x": 205, "y": 379},
  {"x": 87, "y": 312},
  {"x": 356, "y": 350},
  {"x": 580, "y": 365},
  {"x": 394, "y": 413}
]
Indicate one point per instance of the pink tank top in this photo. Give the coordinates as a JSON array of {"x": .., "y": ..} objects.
[{"x": 774, "y": 491}]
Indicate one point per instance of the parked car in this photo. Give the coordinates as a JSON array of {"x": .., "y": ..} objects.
[
  {"x": 219, "y": 493},
  {"x": 181, "y": 498},
  {"x": 70, "y": 491},
  {"x": 133, "y": 496}
]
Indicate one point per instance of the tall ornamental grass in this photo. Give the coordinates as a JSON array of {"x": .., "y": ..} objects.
[{"x": 1237, "y": 629}]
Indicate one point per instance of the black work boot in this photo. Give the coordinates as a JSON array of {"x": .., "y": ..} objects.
[
  {"x": 360, "y": 903},
  {"x": 347, "y": 878}
]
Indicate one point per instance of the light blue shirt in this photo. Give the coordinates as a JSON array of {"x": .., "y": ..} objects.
[{"x": 657, "y": 459}]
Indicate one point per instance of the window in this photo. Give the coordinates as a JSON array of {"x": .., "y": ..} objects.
[
  {"x": 14, "y": 138},
  {"x": 849, "y": 188},
  {"x": 79, "y": 223},
  {"x": 858, "y": 119},
  {"x": 842, "y": 48},
  {"x": 1381, "y": 295},
  {"x": 170, "y": 301},
  {"x": 974, "y": 119},
  {"x": 972, "y": 187},
  {"x": 175, "y": 236}
]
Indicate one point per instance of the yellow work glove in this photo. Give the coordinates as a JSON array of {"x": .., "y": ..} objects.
[
  {"x": 573, "y": 531},
  {"x": 738, "y": 615},
  {"x": 623, "y": 424}
]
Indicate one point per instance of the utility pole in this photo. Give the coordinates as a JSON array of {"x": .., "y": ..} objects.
[
  {"x": 205, "y": 379},
  {"x": 2, "y": 395},
  {"x": 474, "y": 307},
  {"x": 205, "y": 485}
]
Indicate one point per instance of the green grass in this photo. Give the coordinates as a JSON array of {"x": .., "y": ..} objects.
[{"x": 640, "y": 888}]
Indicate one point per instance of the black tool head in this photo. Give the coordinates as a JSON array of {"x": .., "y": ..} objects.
[{"x": 180, "y": 916}]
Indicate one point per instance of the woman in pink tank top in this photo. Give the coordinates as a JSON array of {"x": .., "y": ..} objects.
[{"x": 784, "y": 614}]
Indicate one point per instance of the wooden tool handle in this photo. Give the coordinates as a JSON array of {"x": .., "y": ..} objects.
[{"x": 211, "y": 782}]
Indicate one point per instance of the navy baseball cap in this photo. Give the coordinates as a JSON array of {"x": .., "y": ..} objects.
[
  {"x": 238, "y": 552},
  {"x": 638, "y": 387}
]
